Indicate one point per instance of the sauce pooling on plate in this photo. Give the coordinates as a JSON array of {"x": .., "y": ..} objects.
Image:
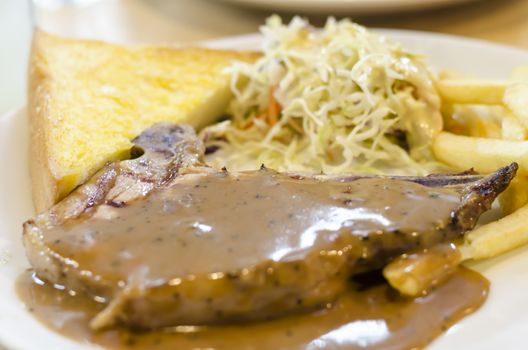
[{"x": 372, "y": 318}]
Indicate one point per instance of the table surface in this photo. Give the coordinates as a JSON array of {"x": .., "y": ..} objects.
[{"x": 186, "y": 21}]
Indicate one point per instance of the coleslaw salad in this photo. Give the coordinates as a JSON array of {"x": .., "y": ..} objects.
[{"x": 339, "y": 99}]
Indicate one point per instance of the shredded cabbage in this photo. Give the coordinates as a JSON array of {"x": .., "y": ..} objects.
[{"x": 339, "y": 99}]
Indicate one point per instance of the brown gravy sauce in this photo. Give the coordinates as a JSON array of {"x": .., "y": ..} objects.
[
  {"x": 222, "y": 223},
  {"x": 221, "y": 247},
  {"x": 207, "y": 231},
  {"x": 373, "y": 318}
]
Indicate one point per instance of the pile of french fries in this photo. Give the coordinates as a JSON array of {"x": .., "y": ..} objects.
[{"x": 486, "y": 127}]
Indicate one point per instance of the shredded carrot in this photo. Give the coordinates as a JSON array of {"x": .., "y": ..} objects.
[
  {"x": 248, "y": 125},
  {"x": 274, "y": 108},
  {"x": 270, "y": 115}
]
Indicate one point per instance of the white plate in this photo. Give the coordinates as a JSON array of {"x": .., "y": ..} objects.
[
  {"x": 501, "y": 323},
  {"x": 337, "y": 7}
]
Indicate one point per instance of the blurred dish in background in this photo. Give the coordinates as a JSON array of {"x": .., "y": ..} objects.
[{"x": 347, "y": 6}]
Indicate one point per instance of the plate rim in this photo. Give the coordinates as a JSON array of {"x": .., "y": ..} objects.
[
  {"x": 357, "y": 7},
  {"x": 255, "y": 36}
]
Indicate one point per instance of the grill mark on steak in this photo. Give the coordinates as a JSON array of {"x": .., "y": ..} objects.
[{"x": 77, "y": 241}]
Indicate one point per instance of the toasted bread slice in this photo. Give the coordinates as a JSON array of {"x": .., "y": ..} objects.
[{"x": 88, "y": 99}]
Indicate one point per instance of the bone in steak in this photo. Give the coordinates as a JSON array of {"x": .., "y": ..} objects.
[{"x": 165, "y": 240}]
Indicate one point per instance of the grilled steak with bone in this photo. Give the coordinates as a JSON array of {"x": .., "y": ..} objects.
[{"x": 165, "y": 240}]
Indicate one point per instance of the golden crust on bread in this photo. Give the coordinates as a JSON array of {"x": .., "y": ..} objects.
[{"x": 87, "y": 99}]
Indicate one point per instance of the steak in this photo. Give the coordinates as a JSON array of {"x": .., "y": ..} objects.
[{"x": 165, "y": 240}]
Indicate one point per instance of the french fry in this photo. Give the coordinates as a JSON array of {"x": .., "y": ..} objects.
[
  {"x": 480, "y": 120},
  {"x": 471, "y": 91},
  {"x": 473, "y": 120},
  {"x": 484, "y": 155},
  {"x": 515, "y": 196},
  {"x": 497, "y": 237},
  {"x": 512, "y": 128},
  {"x": 516, "y": 100},
  {"x": 416, "y": 273}
]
